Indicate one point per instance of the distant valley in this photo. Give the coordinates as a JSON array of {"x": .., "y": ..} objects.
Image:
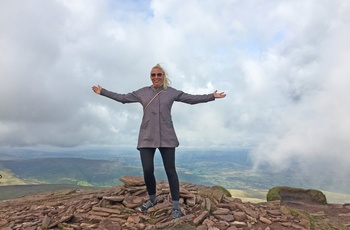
[{"x": 104, "y": 167}]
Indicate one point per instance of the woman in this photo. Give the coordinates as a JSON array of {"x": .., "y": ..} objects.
[{"x": 157, "y": 130}]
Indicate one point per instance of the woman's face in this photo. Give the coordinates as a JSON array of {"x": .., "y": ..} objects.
[{"x": 157, "y": 77}]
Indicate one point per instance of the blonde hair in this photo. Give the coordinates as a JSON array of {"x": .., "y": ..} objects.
[{"x": 166, "y": 80}]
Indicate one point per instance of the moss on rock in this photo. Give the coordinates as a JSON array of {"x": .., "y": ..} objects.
[
  {"x": 224, "y": 190},
  {"x": 289, "y": 194},
  {"x": 216, "y": 192}
]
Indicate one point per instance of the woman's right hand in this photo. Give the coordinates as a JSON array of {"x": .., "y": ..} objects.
[{"x": 97, "y": 89}]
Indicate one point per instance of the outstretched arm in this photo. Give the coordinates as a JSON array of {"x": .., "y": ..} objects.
[
  {"x": 123, "y": 98},
  {"x": 97, "y": 89},
  {"x": 219, "y": 95},
  {"x": 195, "y": 99}
]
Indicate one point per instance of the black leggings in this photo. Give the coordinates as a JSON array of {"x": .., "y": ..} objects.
[{"x": 168, "y": 157}]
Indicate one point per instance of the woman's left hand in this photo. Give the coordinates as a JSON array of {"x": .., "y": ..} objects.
[{"x": 219, "y": 95}]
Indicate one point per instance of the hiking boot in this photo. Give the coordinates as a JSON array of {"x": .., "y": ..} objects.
[
  {"x": 176, "y": 213},
  {"x": 147, "y": 205}
]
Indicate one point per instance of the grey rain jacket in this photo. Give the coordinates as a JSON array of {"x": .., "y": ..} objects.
[{"x": 157, "y": 128}]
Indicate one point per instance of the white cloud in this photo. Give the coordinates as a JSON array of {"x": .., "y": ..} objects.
[
  {"x": 312, "y": 126},
  {"x": 283, "y": 65}
]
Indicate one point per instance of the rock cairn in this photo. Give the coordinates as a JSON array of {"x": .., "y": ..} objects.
[{"x": 116, "y": 208}]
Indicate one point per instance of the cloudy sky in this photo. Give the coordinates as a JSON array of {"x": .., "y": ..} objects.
[{"x": 283, "y": 64}]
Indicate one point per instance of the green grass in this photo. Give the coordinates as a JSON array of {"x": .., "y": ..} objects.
[
  {"x": 8, "y": 178},
  {"x": 253, "y": 196}
]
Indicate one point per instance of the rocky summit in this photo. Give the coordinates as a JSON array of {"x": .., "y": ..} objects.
[{"x": 203, "y": 208}]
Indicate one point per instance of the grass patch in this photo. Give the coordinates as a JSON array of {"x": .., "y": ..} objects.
[
  {"x": 8, "y": 178},
  {"x": 253, "y": 196},
  {"x": 337, "y": 198}
]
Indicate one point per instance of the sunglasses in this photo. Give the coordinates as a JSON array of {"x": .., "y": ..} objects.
[{"x": 158, "y": 74}]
